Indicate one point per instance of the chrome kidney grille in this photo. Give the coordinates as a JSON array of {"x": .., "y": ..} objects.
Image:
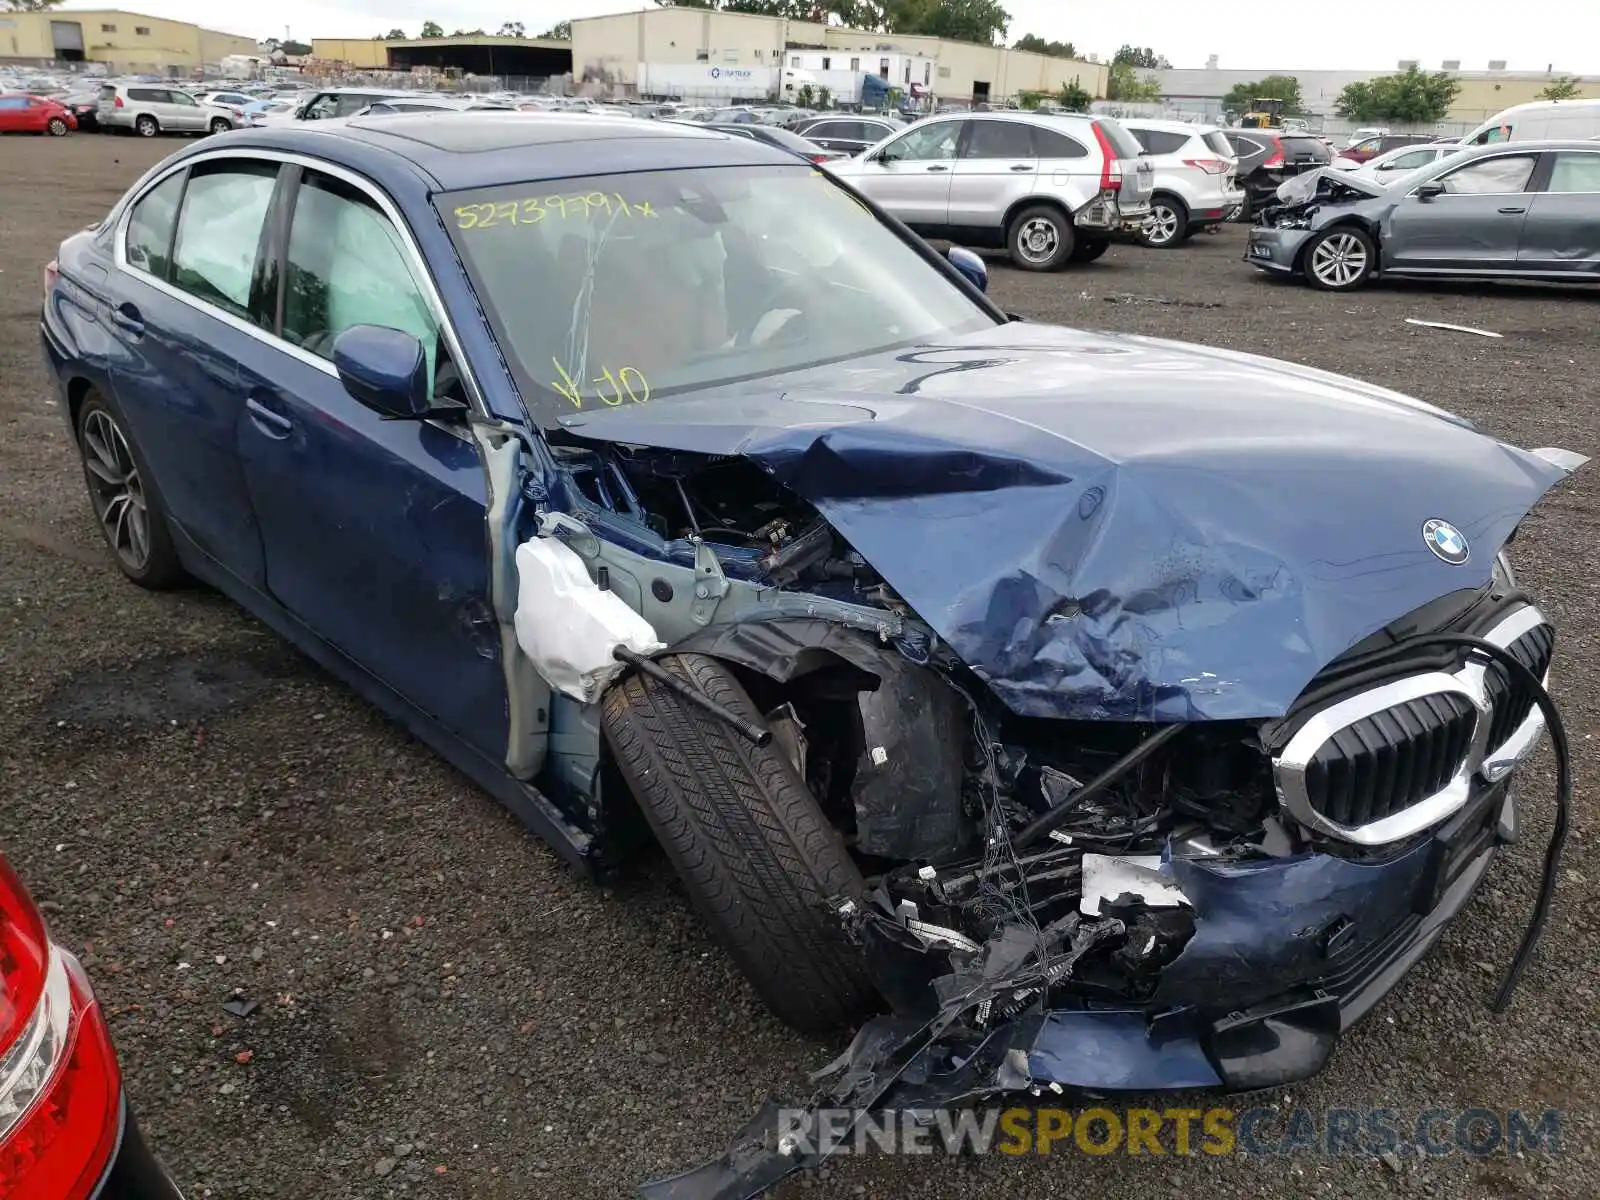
[{"x": 1393, "y": 760}]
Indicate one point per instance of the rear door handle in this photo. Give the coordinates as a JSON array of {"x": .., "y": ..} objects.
[
  {"x": 938, "y": 168},
  {"x": 126, "y": 318},
  {"x": 273, "y": 424},
  {"x": 1513, "y": 211},
  {"x": 1023, "y": 167}
]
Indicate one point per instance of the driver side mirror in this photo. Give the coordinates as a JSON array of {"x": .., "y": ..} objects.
[
  {"x": 1429, "y": 190},
  {"x": 972, "y": 268},
  {"x": 386, "y": 370}
]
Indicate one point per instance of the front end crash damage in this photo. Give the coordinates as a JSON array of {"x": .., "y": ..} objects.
[{"x": 1148, "y": 778}]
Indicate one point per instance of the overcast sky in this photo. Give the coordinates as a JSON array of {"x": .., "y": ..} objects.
[{"x": 1349, "y": 34}]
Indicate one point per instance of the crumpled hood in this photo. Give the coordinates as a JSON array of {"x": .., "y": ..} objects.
[{"x": 1116, "y": 527}]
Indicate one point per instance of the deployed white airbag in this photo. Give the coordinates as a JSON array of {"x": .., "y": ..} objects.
[{"x": 567, "y": 626}]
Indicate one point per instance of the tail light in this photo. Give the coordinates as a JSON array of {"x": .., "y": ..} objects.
[
  {"x": 60, "y": 1091},
  {"x": 1275, "y": 159},
  {"x": 116, "y": 102},
  {"x": 52, "y": 271},
  {"x": 1211, "y": 166},
  {"x": 1110, "y": 165}
]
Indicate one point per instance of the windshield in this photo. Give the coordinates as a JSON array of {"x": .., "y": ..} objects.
[{"x": 627, "y": 289}]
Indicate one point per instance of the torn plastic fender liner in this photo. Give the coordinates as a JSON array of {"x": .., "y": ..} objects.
[{"x": 907, "y": 785}]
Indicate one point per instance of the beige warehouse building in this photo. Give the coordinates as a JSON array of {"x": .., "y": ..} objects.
[
  {"x": 124, "y": 41},
  {"x": 617, "y": 47}
]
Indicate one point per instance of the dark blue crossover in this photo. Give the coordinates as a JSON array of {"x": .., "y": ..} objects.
[{"x": 1073, "y": 709}]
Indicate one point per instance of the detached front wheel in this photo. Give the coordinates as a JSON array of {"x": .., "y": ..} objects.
[
  {"x": 1340, "y": 259},
  {"x": 760, "y": 861}
]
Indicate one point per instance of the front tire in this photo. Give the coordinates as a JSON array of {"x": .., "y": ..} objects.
[
  {"x": 220, "y": 126},
  {"x": 146, "y": 127},
  {"x": 126, "y": 504},
  {"x": 1167, "y": 225},
  {"x": 760, "y": 861},
  {"x": 56, "y": 127},
  {"x": 1040, "y": 238},
  {"x": 1340, "y": 259}
]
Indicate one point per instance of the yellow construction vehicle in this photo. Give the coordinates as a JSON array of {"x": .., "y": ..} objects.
[{"x": 1266, "y": 112}]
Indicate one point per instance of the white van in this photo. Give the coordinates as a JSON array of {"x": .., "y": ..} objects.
[{"x": 1574, "y": 119}]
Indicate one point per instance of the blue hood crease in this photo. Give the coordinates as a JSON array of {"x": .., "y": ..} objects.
[{"x": 1110, "y": 527}]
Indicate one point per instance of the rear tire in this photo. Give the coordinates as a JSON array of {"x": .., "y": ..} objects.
[
  {"x": 122, "y": 492},
  {"x": 56, "y": 127},
  {"x": 146, "y": 127},
  {"x": 1040, "y": 238},
  {"x": 220, "y": 126},
  {"x": 1087, "y": 251},
  {"x": 760, "y": 861},
  {"x": 1167, "y": 225}
]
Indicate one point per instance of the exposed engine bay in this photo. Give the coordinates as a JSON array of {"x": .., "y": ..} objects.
[{"x": 1301, "y": 197}]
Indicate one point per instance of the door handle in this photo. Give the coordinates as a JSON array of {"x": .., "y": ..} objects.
[
  {"x": 938, "y": 168},
  {"x": 273, "y": 424},
  {"x": 126, "y": 318},
  {"x": 1023, "y": 167},
  {"x": 1513, "y": 210}
]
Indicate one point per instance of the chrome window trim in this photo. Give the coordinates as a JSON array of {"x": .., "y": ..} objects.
[
  {"x": 416, "y": 261},
  {"x": 1492, "y": 763}
]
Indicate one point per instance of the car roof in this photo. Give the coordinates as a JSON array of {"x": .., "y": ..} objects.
[
  {"x": 1162, "y": 125},
  {"x": 460, "y": 151}
]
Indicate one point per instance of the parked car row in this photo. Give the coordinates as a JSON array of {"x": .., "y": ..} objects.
[{"x": 21, "y": 113}]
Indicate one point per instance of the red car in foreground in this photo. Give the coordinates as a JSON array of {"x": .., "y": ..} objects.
[
  {"x": 65, "y": 1129},
  {"x": 20, "y": 113}
]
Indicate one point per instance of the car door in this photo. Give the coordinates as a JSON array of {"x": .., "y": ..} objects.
[
  {"x": 178, "y": 309},
  {"x": 373, "y": 529},
  {"x": 909, "y": 175},
  {"x": 996, "y": 163},
  {"x": 15, "y": 115},
  {"x": 187, "y": 115},
  {"x": 1474, "y": 225},
  {"x": 1562, "y": 230}
]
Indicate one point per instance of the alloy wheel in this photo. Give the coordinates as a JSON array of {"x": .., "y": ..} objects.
[
  {"x": 1339, "y": 260},
  {"x": 116, "y": 490},
  {"x": 1038, "y": 240},
  {"x": 1161, "y": 226},
  {"x": 57, "y": 127}
]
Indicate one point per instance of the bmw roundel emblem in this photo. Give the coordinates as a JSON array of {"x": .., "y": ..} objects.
[{"x": 1446, "y": 541}]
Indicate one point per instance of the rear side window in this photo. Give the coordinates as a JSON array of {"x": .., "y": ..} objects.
[
  {"x": 1575, "y": 173},
  {"x": 1156, "y": 141},
  {"x": 998, "y": 139},
  {"x": 219, "y": 232},
  {"x": 150, "y": 226},
  {"x": 148, "y": 95},
  {"x": 1051, "y": 144},
  {"x": 1121, "y": 140},
  {"x": 13, "y": 102},
  {"x": 1245, "y": 146},
  {"x": 347, "y": 266},
  {"x": 1218, "y": 143}
]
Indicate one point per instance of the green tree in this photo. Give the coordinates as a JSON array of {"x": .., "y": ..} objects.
[
  {"x": 1123, "y": 82},
  {"x": 467, "y": 33},
  {"x": 1414, "y": 96},
  {"x": 1278, "y": 87},
  {"x": 298, "y": 49},
  {"x": 1037, "y": 45},
  {"x": 1075, "y": 97},
  {"x": 431, "y": 29},
  {"x": 395, "y": 35},
  {"x": 960, "y": 20},
  {"x": 30, "y": 5},
  {"x": 511, "y": 29},
  {"x": 1144, "y": 57},
  {"x": 561, "y": 31},
  {"x": 1564, "y": 88}
]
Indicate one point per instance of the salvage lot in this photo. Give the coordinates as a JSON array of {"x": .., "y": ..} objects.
[{"x": 205, "y": 812}]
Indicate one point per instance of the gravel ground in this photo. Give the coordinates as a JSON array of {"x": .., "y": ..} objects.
[{"x": 446, "y": 1011}]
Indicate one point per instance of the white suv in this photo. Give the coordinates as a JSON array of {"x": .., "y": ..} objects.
[
  {"x": 1051, "y": 188},
  {"x": 151, "y": 108},
  {"x": 1196, "y": 179}
]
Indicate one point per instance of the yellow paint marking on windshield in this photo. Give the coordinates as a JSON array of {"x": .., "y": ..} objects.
[
  {"x": 532, "y": 209},
  {"x": 624, "y": 390}
]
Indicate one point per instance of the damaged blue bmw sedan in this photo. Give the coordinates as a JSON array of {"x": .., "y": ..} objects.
[{"x": 1074, "y": 710}]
